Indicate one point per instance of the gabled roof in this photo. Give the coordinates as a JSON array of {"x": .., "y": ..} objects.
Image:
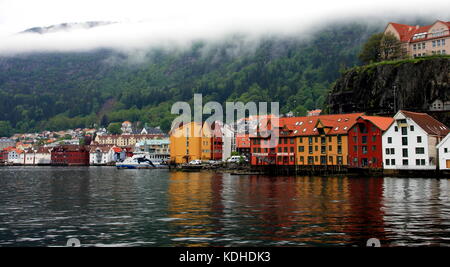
[
  {"x": 443, "y": 141},
  {"x": 429, "y": 124},
  {"x": 406, "y": 32},
  {"x": 382, "y": 123}
]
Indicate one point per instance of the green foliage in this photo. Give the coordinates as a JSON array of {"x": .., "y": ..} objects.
[
  {"x": 371, "y": 51},
  {"x": 69, "y": 90},
  {"x": 5, "y": 129},
  {"x": 114, "y": 128}
]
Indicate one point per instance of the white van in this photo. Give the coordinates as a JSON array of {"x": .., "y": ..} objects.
[{"x": 235, "y": 159}]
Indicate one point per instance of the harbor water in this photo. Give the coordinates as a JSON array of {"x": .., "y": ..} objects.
[{"x": 103, "y": 206}]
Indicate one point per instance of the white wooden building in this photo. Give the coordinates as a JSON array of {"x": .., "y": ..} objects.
[
  {"x": 410, "y": 142},
  {"x": 444, "y": 153}
]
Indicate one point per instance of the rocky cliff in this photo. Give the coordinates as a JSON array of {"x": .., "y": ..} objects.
[{"x": 383, "y": 88}]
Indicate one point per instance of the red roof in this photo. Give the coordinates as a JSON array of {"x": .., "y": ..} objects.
[
  {"x": 382, "y": 123},
  {"x": 406, "y": 32},
  {"x": 307, "y": 125},
  {"x": 427, "y": 123}
]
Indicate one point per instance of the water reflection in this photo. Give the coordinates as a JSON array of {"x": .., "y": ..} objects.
[{"x": 105, "y": 206}]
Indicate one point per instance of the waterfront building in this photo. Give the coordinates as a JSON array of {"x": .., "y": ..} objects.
[
  {"x": 410, "y": 142},
  {"x": 157, "y": 149},
  {"x": 443, "y": 150},
  {"x": 126, "y": 140},
  {"x": 418, "y": 41},
  {"x": 190, "y": 141},
  {"x": 323, "y": 140},
  {"x": 365, "y": 142},
  {"x": 102, "y": 154},
  {"x": 306, "y": 141},
  {"x": 243, "y": 144},
  {"x": 70, "y": 155},
  {"x": 35, "y": 156}
]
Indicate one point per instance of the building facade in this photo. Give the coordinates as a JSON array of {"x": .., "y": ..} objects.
[
  {"x": 443, "y": 150},
  {"x": 190, "y": 141},
  {"x": 70, "y": 155},
  {"x": 126, "y": 140},
  {"x": 418, "y": 41},
  {"x": 365, "y": 144},
  {"x": 410, "y": 142}
]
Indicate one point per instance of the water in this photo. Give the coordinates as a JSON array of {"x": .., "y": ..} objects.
[{"x": 103, "y": 206}]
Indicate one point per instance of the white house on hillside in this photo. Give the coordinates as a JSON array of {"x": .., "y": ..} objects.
[
  {"x": 410, "y": 142},
  {"x": 444, "y": 153}
]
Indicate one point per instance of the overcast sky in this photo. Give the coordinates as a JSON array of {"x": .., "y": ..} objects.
[{"x": 172, "y": 21}]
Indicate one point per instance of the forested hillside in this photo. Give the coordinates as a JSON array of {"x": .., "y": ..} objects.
[{"x": 67, "y": 90}]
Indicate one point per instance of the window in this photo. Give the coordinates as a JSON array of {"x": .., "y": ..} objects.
[
  {"x": 323, "y": 140},
  {"x": 310, "y": 149},
  {"x": 445, "y": 150},
  {"x": 420, "y": 150},
  {"x": 404, "y": 131},
  {"x": 339, "y": 148},
  {"x": 285, "y": 141},
  {"x": 405, "y": 162},
  {"x": 420, "y": 162},
  {"x": 316, "y": 148},
  {"x": 330, "y": 148},
  {"x": 434, "y": 43},
  {"x": 405, "y": 152},
  {"x": 392, "y": 161},
  {"x": 374, "y": 148},
  {"x": 392, "y": 151},
  {"x": 389, "y": 140},
  {"x": 279, "y": 149},
  {"x": 339, "y": 139},
  {"x": 388, "y": 151},
  {"x": 291, "y": 141},
  {"x": 374, "y": 138},
  {"x": 302, "y": 159},
  {"x": 300, "y": 140},
  {"x": 301, "y": 149},
  {"x": 388, "y": 162},
  {"x": 404, "y": 141},
  {"x": 419, "y": 139},
  {"x": 411, "y": 128},
  {"x": 285, "y": 150},
  {"x": 339, "y": 160},
  {"x": 364, "y": 149},
  {"x": 291, "y": 149},
  {"x": 355, "y": 139},
  {"x": 396, "y": 128},
  {"x": 355, "y": 148},
  {"x": 364, "y": 139},
  {"x": 310, "y": 140}
]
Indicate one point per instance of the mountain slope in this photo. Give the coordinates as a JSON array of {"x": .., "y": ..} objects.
[{"x": 66, "y": 90}]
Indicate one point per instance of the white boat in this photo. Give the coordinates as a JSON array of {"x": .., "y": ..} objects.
[{"x": 138, "y": 162}]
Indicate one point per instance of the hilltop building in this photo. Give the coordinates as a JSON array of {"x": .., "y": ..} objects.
[{"x": 418, "y": 41}]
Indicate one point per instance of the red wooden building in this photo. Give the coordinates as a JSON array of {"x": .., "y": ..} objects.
[
  {"x": 70, "y": 155},
  {"x": 365, "y": 142},
  {"x": 279, "y": 150}
]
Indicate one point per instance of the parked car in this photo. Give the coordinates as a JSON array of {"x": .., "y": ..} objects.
[
  {"x": 195, "y": 162},
  {"x": 235, "y": 159},
  {"x": 213, "y": 162}
]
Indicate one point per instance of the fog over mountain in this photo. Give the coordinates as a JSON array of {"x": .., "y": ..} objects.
[{"x": 80, "y": 25}]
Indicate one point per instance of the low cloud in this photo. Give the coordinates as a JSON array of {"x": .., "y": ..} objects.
[{"x": 176, "y": 24}]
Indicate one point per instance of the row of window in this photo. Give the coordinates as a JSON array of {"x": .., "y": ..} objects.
[
  {"x": 438, "y": 42},
  {"x": 405, "y": 140},
  {"x": 418, "y": 150},
  {"x": 438, "y": 52},
  {"x": 323, "y": 160},
  {"x": 405, "y": 162}
]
